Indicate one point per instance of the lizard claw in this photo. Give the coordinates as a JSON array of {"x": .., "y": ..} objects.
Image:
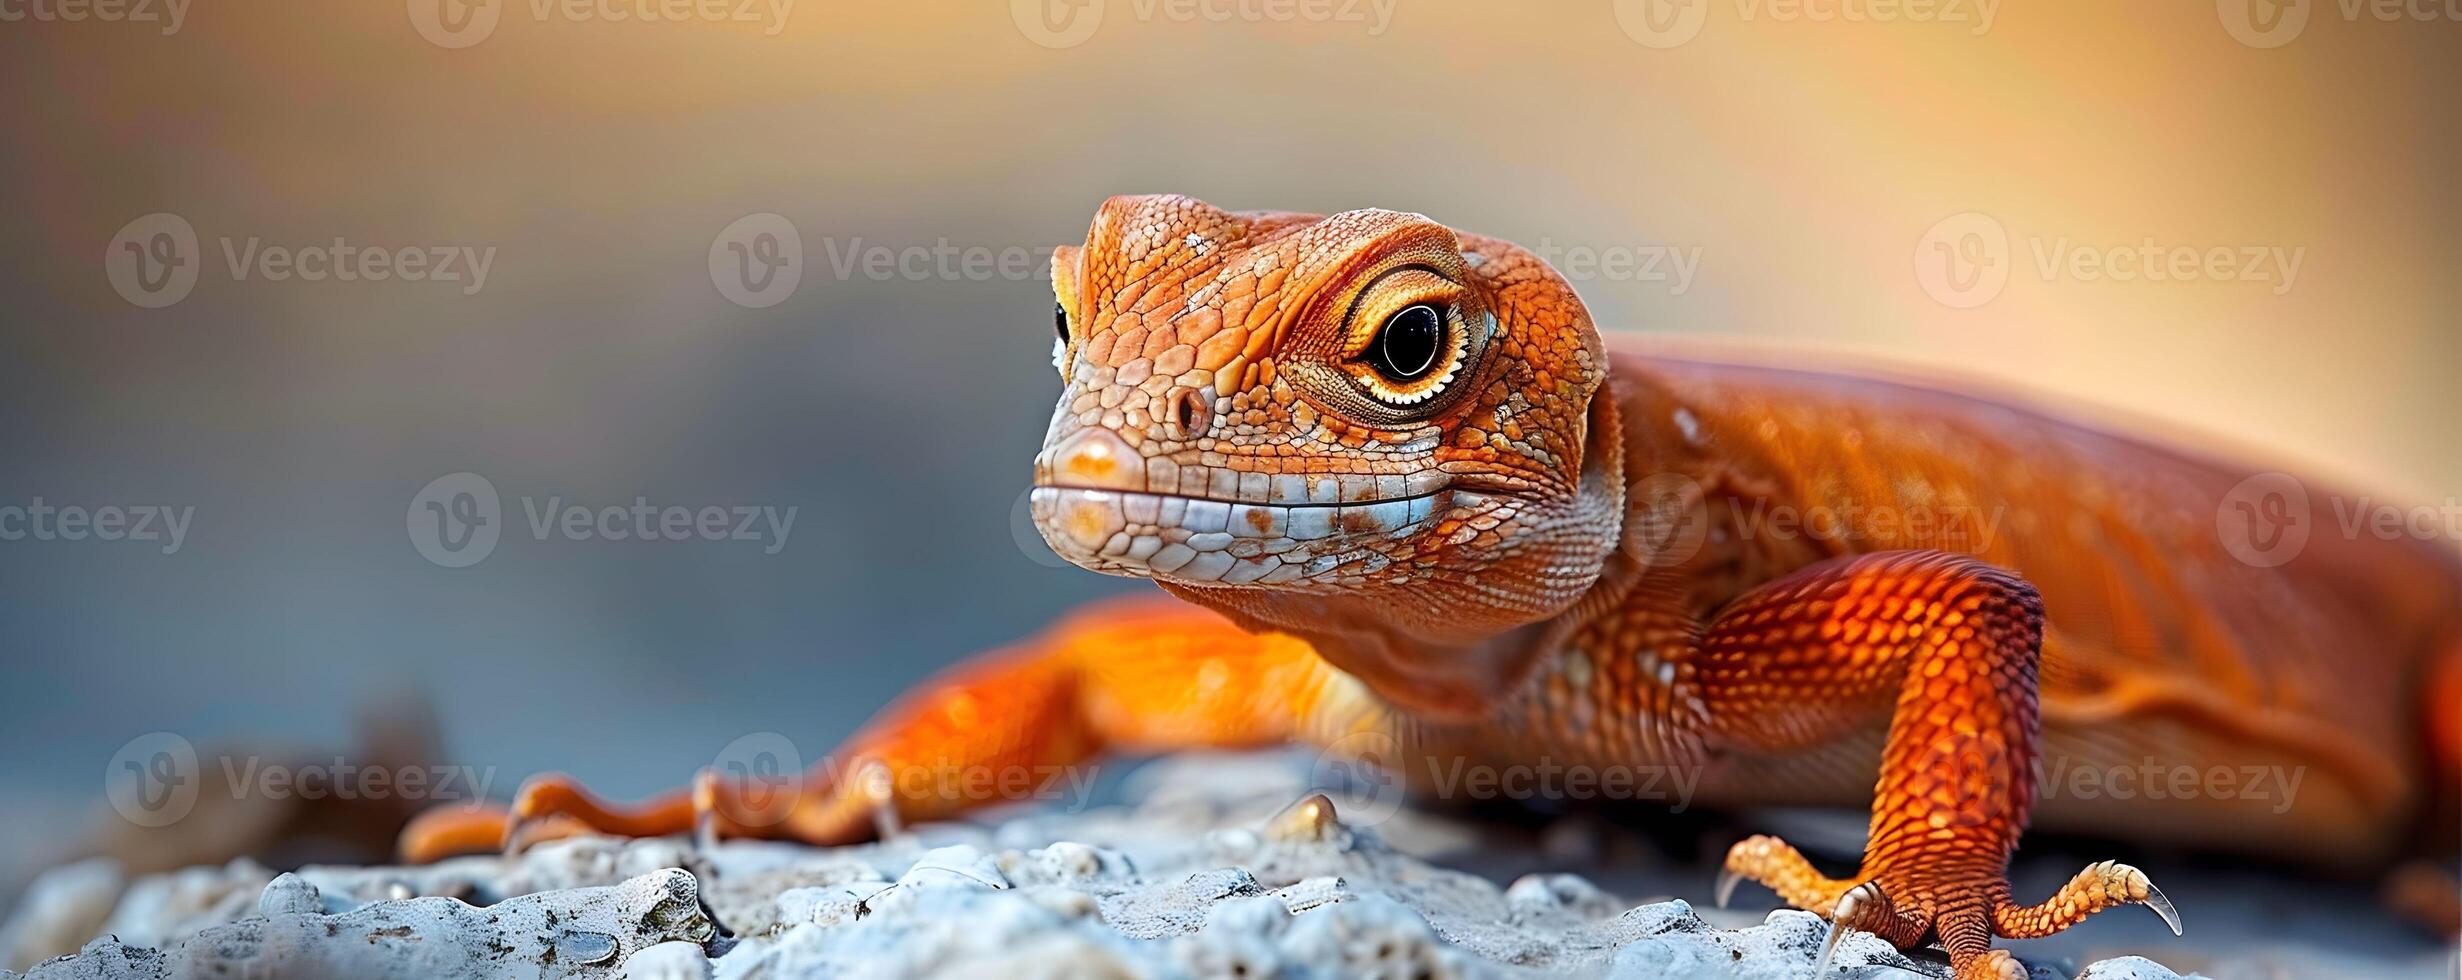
[
  {"x": 2162, "y": 906},
  {"x": 878, "y": 787},
  {"x": 1728, "y": 878},
  {"x": 512, "y": 844},
  {"x": 705, "y": 810},
  {"x": 1857, "y": 902}
]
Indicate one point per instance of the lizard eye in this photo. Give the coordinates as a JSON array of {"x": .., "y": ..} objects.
[
  {"x": 1413, "y": 355},
  {"x": 1060, "y": 347},
  {"x": 1406, "y": 347}
]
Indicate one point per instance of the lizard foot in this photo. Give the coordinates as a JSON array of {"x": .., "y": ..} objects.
[
  {"x": 443, "y": 832},
  {"x": 1955, "y": 903},
  {"x": 2103, "y": 885},
  {"x": 548, "y": 807},
  {"x": 553, "y": 805}
]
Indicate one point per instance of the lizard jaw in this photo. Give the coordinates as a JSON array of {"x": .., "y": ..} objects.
[{"x": 1205, "y": 541}]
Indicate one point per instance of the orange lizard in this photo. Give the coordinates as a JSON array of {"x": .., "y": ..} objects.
[{"x": 1407, "y": 490}]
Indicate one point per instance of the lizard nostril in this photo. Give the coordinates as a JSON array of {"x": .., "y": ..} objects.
[{"x": 1192, "y": 414}]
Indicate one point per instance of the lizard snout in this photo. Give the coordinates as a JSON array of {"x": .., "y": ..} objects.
[{"x": 1104, "y": 506}]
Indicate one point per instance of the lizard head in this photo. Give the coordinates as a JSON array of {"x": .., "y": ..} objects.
[{"x": 1365, "y": 422}]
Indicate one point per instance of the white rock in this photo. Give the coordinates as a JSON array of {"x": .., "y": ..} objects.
[
  {"x": 2128, "y": 968},
  {"x": 289, "y": 894},
  {"x": 563, "y": 933},
  {"x": 60, "y": 910},
  {"x": 960, "y": 866},
  {"x": 158, "y": 909},
  {"x": 1187, "y": 887},
  {"x": 1066, "y": 862},
  {"x": 1571, "y": 893},
  {"x": 1372, "y": 936},
  {"x": 676, "y": 960}
]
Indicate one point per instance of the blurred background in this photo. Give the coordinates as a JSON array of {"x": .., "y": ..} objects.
[{"x": 791, "y": 255}]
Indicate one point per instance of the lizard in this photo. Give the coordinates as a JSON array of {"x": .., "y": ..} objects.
[{"x": 1404, "y": 489}]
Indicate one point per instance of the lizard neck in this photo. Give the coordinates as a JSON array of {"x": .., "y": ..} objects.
[{"x": 1446, "y": 647}]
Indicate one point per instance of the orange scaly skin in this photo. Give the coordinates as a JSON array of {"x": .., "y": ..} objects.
[{"x": 1534, "y": 550}]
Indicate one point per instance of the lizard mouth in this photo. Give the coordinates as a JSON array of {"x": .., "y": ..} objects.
[{"x": 1211, "y": 541}]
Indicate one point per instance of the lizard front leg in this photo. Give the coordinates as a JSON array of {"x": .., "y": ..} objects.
[
  {"x": 1142, "y": 675},
  {"x": 1949, "y": 645}
]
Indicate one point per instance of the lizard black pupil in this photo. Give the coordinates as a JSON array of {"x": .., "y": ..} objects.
[
  {"x": 1060, "y": 317},
  {"x": 1406, "y": 348}
]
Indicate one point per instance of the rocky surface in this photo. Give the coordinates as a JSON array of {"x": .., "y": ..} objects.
[{"x": 1195, "y": 881}]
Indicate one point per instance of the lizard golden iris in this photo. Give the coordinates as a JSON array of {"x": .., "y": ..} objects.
[{"x": 1407, "y": 490}]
